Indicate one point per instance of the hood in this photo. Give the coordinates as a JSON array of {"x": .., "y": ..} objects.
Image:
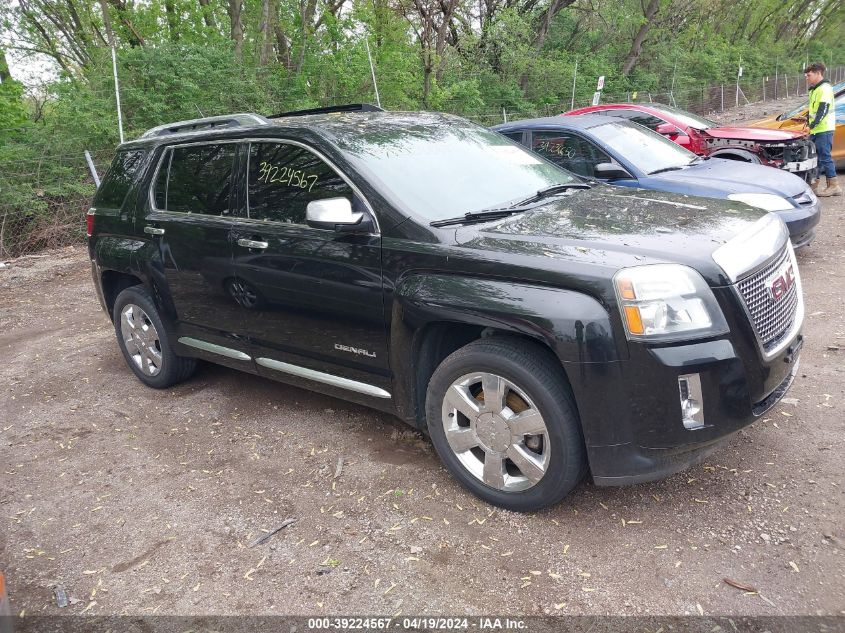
[
  {"x": 719, "y": 177},
  {"x": 611, "y": 229},
  {"x": 753, "y": 134}
]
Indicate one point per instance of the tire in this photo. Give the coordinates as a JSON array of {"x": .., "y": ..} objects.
[
  {"x": 524, "y": 453},
  {"x": 145, "y": 343}
]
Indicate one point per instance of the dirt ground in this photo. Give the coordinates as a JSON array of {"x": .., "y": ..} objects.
[
  {"x": 145, "y": 502},
  {"x": 758, "y": 110}
]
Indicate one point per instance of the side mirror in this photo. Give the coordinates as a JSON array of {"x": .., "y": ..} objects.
[
  {"x": 335, "y": 214},
  {"x": 667, "y": 129},
  {"x": 610, "y": 171}
]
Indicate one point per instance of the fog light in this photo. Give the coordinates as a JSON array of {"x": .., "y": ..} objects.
[{"x": 692, "y": 402}]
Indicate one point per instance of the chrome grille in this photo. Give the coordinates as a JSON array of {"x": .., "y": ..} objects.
[{"x": 772, "y": 318}]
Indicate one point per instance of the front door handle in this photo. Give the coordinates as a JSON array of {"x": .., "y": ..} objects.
[
  {"x": 153, "y": 230},
  {"x": 252, "y": 243}
]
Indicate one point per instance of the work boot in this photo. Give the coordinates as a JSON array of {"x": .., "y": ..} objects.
[
  {"x": 816, "y": 185},
  {"x": 832, "y": 189}
]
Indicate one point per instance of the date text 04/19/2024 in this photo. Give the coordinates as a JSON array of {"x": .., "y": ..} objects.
[{"x": 415, "y": 623}]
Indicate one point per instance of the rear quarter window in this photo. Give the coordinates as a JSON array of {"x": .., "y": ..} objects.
[{"x": 118, "y": 180}]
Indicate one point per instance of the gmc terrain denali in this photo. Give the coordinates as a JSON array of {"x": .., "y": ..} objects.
[{"x": 417, "y": 263}]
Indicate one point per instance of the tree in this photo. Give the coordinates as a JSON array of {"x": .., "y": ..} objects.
[
  {"x": 430, "y": 20},
  {"x": 649, "y": 13}
]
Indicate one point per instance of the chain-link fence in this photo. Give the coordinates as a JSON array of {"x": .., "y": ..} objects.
[
  {"x": 710, "y": 98},
  {"x": 46, "y": 188},
  {"x": 43, "y": 202}
]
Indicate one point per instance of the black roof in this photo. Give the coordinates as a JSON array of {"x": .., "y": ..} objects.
[{"x": 333, "y": 125}]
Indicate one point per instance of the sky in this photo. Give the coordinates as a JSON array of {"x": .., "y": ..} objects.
[{"x": 31, "y": 70}]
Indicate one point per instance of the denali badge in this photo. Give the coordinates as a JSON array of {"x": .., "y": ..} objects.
[
  {"x": 354, "y": 350},
  {"x": 779, "y": 283}
]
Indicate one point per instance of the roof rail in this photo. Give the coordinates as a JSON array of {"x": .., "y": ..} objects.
[
  {"x": 207, "y": 123},
  {"x": 349, "y": 107}
]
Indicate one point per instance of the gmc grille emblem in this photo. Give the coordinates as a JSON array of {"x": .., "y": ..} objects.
[{"x": 779, "y": 283}]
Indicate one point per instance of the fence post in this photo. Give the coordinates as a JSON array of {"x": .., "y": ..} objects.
[
  {"x": 723, "y": 98},
  {"x": 117, "y": 94},
  {"x": 786, "y": 85},
  {"x": 764, "y": 88}
]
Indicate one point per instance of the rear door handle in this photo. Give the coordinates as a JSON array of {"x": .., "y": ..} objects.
[
  {"x": 252, "y": 243},
  {"x": 153, "y": 230}
]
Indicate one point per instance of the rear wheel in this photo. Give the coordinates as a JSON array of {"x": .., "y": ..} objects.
[
  {"x": 145, "y": 343},
  {"x": 501, "y": 418}
]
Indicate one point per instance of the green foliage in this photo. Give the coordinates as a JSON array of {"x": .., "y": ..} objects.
[
  {"x": 177, "y": 60},
  {"x": 12, "y": 107}
]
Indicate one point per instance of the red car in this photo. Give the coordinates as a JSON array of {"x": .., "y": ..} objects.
[{"x": 784, "y": 149}]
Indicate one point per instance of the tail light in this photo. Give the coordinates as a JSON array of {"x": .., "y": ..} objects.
[{"x": 89, "y": 222}]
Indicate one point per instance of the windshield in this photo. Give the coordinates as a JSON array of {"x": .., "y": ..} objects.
[
  {"x": 440, "y": 167},
  {"x": 646, "y": 150},
  {"x": 794, "y": 112},
  {"x": 685, "y": 118}
]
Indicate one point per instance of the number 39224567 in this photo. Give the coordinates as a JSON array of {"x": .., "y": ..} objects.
[{"x": 270, "y": 173}]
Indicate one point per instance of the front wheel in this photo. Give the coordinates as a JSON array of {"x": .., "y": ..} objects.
[{"x": 502, "y": 419}]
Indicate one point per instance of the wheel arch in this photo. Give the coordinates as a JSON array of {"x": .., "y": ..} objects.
[
  {"x": 434, "y": 316},
  {"x": 735, "y": 153},
  {"x": 113, "y": 283}
]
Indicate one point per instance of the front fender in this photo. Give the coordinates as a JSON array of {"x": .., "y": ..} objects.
[{"x": 574, "y": 325}]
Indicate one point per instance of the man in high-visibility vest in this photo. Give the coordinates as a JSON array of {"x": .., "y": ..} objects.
[{"x": 821, "y": 120}]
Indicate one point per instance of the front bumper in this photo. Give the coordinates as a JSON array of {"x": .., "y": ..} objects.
[
  {"x": 637, "y": 433},
  {"x": 801, "y": 165},
  {"x": 801, "y": 223},
  {"x": 798, "y": 157}
]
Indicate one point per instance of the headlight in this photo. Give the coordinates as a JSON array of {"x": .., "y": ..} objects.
[
  {"x": 767, "y": 201},
  {"x": 667, "y": 302}
]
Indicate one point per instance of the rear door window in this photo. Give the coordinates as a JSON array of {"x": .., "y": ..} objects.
[
  {"x": 198, "y": 180},
  {"x": 118, "y": 180},
  {"x": 284, "y": 178}
]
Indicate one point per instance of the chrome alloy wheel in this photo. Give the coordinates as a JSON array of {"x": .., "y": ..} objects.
[
  {"x": 496, "y": 431},
  {"x": 141, "y": 339}
]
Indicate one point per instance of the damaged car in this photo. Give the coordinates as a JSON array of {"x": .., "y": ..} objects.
[{"x": 792, "y": 151}]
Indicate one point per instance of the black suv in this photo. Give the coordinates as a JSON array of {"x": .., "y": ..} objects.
[{"x": 417, "y": 263}]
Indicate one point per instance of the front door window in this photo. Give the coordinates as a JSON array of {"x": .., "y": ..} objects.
[{"x": 569, "y": 151}]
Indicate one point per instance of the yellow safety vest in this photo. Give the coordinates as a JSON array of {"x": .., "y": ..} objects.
[{"x": 822, "y": 93}]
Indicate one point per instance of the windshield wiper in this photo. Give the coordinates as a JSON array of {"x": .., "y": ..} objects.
[
  {"x": 554, "y": 190},
  {"x": 518, "y": 207},
  {"x": 660, "y": 171},
  {"x": 480, "y": 216}
]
